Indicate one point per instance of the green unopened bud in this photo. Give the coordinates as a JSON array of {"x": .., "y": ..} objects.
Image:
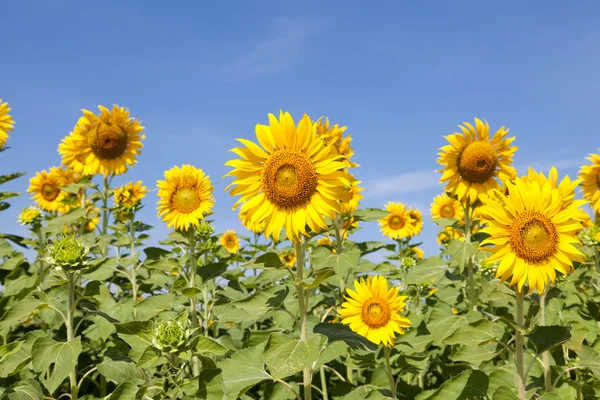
[
  {"x": 68, "y": 253},
  {"x": 205, "y": 230},
  {"x": 408, "y": 262},
  {"x": 170, "y": 336}
]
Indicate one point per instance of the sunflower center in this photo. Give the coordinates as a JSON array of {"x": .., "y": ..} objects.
[
  {"x": 533, "y": 237},
  {"x": 598, "y": 180},
  {"x": 376, "y": 313},
  {"x": 447, "y": 211},
  {"x": 50, "y": 191},
  {"x": 108, "y": 141},
  {"x": 478, "y": 161},
  {"x": 230, "y": 243},
  {"x": 289, "y": 179},
  {"x": 397, "y": 222},
  {"x": 185, "y": 199}
]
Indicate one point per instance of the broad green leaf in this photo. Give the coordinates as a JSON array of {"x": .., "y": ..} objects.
[
  {"x": 211, "y": 271},
  {"x": 101, "y": 270},
  {"x": 259, "y": 303},
  {"x": 544, "y": 338},
  {"x": 504, "y": 393},
  {"x": 55, "y": 360},
  {"x": 335, "y": 332},
  {"x": 475, "y": 334},
  {"x": 332, "y": 351},
  {"x": 315, "y": 281},
  {"x": 137, "y": 334},
  {"x": 370, "y": 214},
  {"x": 476, "y": 355},
  {"x": 10, "y": 177},
  {"x": 155, "y": 253},
  {"x": 17, "y": 281},
  {"x": 551, "y": 396},
  {"x": 151, "y": 357},
  {"x": 128, "y": 391},
  {"x": 58, "y": 223},
  {"x": 590, "y": 359},
  {"x": 204, "y": 345},
  {"x": 154, "y": 305},
  {"x": 371, "y": 247},
  {"x": 323, "y": 257},
  {"x": 22, "y": 311},
  {"x": 427, "y": 271},
  {"x": 267, "y": 260},
  {"x": 578, "y": 334},
  {"x": 444, "y": 222},
  {"x": 118, "y": 371},
  {"x": 243, "y": 370},
  {"x": 13, "y": 262},
  {"x": 461, "y": 251},
  {"x": 468, "y": 385},
  {"x": 505, "y": 375},
  {"x": 210, "y": 386},
  {"x": 26, "y": 390},
  {"x": 285, "y": 357},
  {"x": 442, "y": 323}
]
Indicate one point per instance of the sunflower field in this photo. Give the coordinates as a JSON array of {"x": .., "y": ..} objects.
[{"x": 293, "y": 307}]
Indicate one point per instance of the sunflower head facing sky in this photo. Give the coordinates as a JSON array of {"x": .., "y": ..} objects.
[
  {"x": 398, "y": 224},
  {"x": 532, "y": 233},
  {"x": 590, "y": 181},
  {"x": 185, "y": 197},
  {"x": 291, "y": 180},
  {"x": 230, "y": 241},
  {"x": 107, "y": 143},
  {"x": 444, "y": 206},
  {"x": 46, "y": 188},
  {"x": 373, "y": 311},
  {"x": 130, "y": 195},
  {"x": 474, "y": 163},
  {"x": 6, "y": 123}
]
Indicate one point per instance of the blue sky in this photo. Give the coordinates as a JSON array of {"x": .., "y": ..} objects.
[{"x": 400, "y": 75}]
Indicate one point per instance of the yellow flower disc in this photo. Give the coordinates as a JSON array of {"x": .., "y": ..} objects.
[
  {"x": 397, "y": 224},
  {"x": 6, "y": 123},
  {"x": 230, "y": 241},
  {"x": 590, "y": 177}
]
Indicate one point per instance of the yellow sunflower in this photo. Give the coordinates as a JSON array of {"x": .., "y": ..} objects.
[
  {"x": 350, "y": 225},
  {"x": 6, "y": 123},
  {"x": 107, "y": 143},
  {"x": 373, "y": 311},
  {"x": 397, "y": 224},
  {"x": 447, "y": 234},
  {"x": 30, "y": 216},
  {"x": 291, "y": 180},
  {"x": 185, "y": 196},
  {"x": 334, "y": 135},
  {"x": 325, "y": 241},
  {"x": 289, "y": 258},
  {"x": 354, "y": 198},
  {"x": 419, "y": 253},
  {"x": 473, "y": 163},
  {"x": 444, "y": 206},
  {"x": 590, "y": 177},
  {"x": 532, "y": 234},
  {"x": 130, "y": 195},
  {"x": 230, "y": 241},
  {"x": 417, "y": 219},
  {"x": 46, "y": 186}
]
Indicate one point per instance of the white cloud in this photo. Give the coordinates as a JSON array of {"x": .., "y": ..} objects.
[{"x": 410, "y": 182}]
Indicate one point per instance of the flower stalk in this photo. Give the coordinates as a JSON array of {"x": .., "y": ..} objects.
[
  {"x": 70, "y": 330},
  {"x": 519, "y": 345},
  {"x": 192, "y": 284},
  {"x": 545, "y": 355},
  {"x": 390, "y": 374},
  {"x": 470, "y": 273},
  {"x": 307, "y": 373}
]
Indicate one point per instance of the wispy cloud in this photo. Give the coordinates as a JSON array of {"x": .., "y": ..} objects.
[
  {"x": 410, "y": 182},
  {"x": 279, "y": 50}
]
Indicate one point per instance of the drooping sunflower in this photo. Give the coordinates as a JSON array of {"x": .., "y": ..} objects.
[
  {"x": 107, "y": 143},
  {"x": 397, "y": 224},
  {"x": 532, "y": 235},
  {"x": 6, "y": 123},
  {"x": 373, "y": 311},
  {"x": 350, "y": 225},
  {"x": 473, "y": 163},
  {"x": 292, "y": 180},
  {"x": 334, "y": 135},
  {"x": 417, "y": 219},
  {"x": 46, "y": 186},
  {"x": 590, "y": 177},
  {"x": 354, "y": 198},
  {"x": 185, "y": 196},
  {"x": 444, "y": 206},
  {"x": 230, "y": 241},
  {"x": 325, "y": 241},
  {"x": 289, "y": 258},
  {"x": 130, "y": 195}
]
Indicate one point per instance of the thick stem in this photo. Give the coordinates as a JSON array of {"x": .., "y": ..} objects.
[
  {"x": 545, "y": 355},
  {"x": 470, "y": 274},
  {"x": 519, "y": 348},
  {"x": 386, "y": 353},
  {"x": 70, "y": 336},
  {"x": 41, "y": 251},
  {"x": 192, "y": 284},
  {"x": 82, "y": 199},
  {"x": 134, "y": 285},
  {"x": 303, "y": 315},
  {"x": 105, "y": 204},
  {"x": 324, "y": 384}
]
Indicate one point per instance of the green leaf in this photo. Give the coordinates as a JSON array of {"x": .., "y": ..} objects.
[
  {"x": 154, "y": 305},
  {"x": 370, "y": 214},
  {"x": 118, "y": 371},
  {"x": 128, "y": 391},
  {"x": 314, "y": 282},
  {"x": 467, "y": 385},
  {"x": 550, "y": 396},
  {"x": 504, "y": 393},
  {"x": 211, "y": 271},
  {"x": 204, "y": 345},
  {"x": 475, "y": 334},
  {"x": 10, "y": 177},
  {"x": 548, "y": 337},
  {"x": 13, "y": 262},
  {"x": 590, "y": 359},
  {"x": 444, "y": 222},
  {"x": 58, "y": 223},
  {"x": 285, "y": 357},
  {"x": 461, "y": 252},
  {"x": 22, "y": 311},
  {"x": 342, "y": 263},
  {"x": 243, "y": 370},
  {"x": 18, "y": 280},
  {"x": 476, "y": 355},
  {"x": 26, "y": 390},
  {"x": 335, "y": 332},
  {"x": 442, "y": 323},
  {"x": 137, "y": 334},
  {"x": 210, "y": 386},
  {"x": 261, "y": 302},
  {"x": 62, "y": 356},
  {"x": 427, "y": 271},
  {"x": 155, "y": 253},
  {"x": 267, "y": 260}
]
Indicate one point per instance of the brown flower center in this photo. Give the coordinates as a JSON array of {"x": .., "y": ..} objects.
[
  {"x": 376, "y": 313},
  {"x": 397, "y": 222},
  {"x": 478, "y": 161},
  {"x": 533, "y": 237},
  {"x": 447, "y": 211},
  {"x": 108, "y": 141},
  {"x": 185, "y": 199},
  {"x": 50, "y": 191},
  {"x": 289, "y": 179}
]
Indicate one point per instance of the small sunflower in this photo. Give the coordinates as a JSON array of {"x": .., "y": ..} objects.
[
  {"x": 417, "y": 219},
  {"x": 444, "y": 206},
  {"x": 290, "y": 181},
  {"x": 6, "y": 123},
  {"x": 130, "y": 195},
  {"x": 350, "y": 225},
  {"x": 590, "y": 177},
  {"x": 419, "y": 253},
  {"x": 447, "y": 234},
  {"x": 30, "y": 216},
  {"x": 334, "y": 135},
  {"x": 397, "y": 224},
  {"x": 107, "y": 143},
  {"x": 354, "y": 198},
  {"x": 289, "y": 258},
  {"x": 185, "y": 196},
  {"x": 373, "y": 311},
  {"x": 230, "y": 241},
  {"x": 325, "y": 241},
  {"x": 46, "y": 188},
  {"x": 473, "y": 163},
  {"x": 532, "y": 234}
]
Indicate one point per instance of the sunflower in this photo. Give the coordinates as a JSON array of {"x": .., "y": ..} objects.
[
  {"x": 447, "y": 234},
  {"x": 417, "y": 219},
  {"x": 418, "y": 252},
  {"x": 325, "y": 241},
  {"x": 46, "y": 186},
  {"x": 185, "y": 196},
  {"x": 354, "y": 198},
  {"x": 254, "y": 228},
  {"x": 444, "y": 206},
  {"x": 590, "y": 186},
  {"x": 107, "y": 143},
  {"x": 373, "y": 311},
  {"x": 130, "y": 195},
  {"x": 335, "y": 135},
  {"x": 397, "y": 224},
  {"x": 532, "y": 234},
  {"x": 230, "y": 241},
  {"x": 30, "y": 216},
  {"x": 289, "y": 258},
  {"x": 474, "y": 164},
  {"x": 6, "y": 123},
  {"x": 292, "y": 181},
  {"x": 350, "y": 225}
]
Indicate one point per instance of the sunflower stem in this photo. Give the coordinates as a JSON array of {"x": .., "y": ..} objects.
[
  {"x": 41, "y": 246},
  {"x": 470, "y": 274},
  {"x": 324, "y": 384},
  {"x": 82, "y": 225},
  {"x": 519, "y": 345},
  {"x": 545, "y": 355},
  {"x": 386, "y": 353},
  {"x": 192, "y": 284},
  {"x": 134, "y": 286},
  {"x": 303, "y": 314},
  {"x": 105, "y": 204},
  {"x": 70, "y": 331}
]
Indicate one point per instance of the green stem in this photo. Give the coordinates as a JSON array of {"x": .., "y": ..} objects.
[
  {"x": 192, "y": 284},
  {"x": 519, "y": 345},
  {"x": 105, "y": 204},
  {"x": 324, "y": 384},
  {"x": 545, "y": 355},
  {"x": 41, "y": 250},
  {"x": 303, "y": 315},
  {"x": 134, "y": 286},
  {"x": 386, "y": 352},
  {"x": 470, "y": 273},
  {"x": 70, "y": 312},
  {"x": 82, "y": 227}
]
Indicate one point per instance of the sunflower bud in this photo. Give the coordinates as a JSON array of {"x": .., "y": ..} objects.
[
  {"x": 68, "y": 253},
  {"x": 205, "y": 230},
  {"x": 170, "y": 336},
  {"x": 408, "y": 262}
]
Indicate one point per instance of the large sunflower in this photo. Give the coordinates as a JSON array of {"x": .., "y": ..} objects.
[
  {"x": 46, "y": 188},
  {"x": 417, "y": 219},
  {"x": 590, "y": 177},
  {"x": 6, "y": 123},
  {"x": 103, "y": 144},
  {"x": 291, "y": 180},
  {"x": 130, "y": 195},
  {"x": 397, "y": 224},
  {"x": 444, "y": 206},
  {"x": 230, "y": 241},
  {"x": 373, "y": 311},
  {"x": 532, "y": 234},
  {"x": 473, "y": 163},
  {"x": 185, "y": 196}
]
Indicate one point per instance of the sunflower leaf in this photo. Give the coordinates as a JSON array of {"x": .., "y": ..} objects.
[
  {"x": 544, "y": 338},
  {"x": 335, "y": 332}
]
